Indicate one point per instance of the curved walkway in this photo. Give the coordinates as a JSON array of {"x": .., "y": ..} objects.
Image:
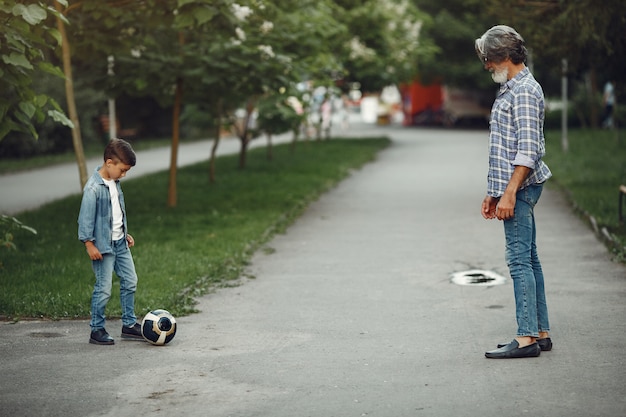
[{"x": 352, "y": 313}]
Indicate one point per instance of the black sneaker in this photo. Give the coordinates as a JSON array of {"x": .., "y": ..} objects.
[
  {"x": 133, "y": 332},
  {"x": 101, "y": 337}
]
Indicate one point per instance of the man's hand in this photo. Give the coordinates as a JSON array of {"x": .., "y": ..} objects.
[
  {"x": 488, "y": 209},
  {"x": 506, "y": 207}
]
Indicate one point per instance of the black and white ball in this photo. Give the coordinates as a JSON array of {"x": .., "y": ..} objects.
[{"x": 158, "y": 327}]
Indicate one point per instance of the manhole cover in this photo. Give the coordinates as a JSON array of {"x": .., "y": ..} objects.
[{"x": 477, "y": 277}]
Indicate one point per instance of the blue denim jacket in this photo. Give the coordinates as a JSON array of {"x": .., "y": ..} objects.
[{"x": 95, "y": 220}]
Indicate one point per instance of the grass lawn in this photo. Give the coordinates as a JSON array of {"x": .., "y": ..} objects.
[
  {"x": 180, "y": 252},
  {"x": 591, "y": 173}
]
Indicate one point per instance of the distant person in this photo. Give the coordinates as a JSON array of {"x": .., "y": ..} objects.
[
  {"x": 608, "y": 98},
  {"x": 102, "y": 227},
  {"x": 342, "y": 106},
  {"x": 326, "y": 110},
  {"x": 515, "y": 181}
]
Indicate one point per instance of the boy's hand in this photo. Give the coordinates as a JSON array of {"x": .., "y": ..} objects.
[
  {"x": 130, "y": 240},
  {"x": 93, "y": 252}
]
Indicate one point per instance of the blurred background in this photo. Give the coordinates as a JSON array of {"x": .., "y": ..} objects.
[{"x": 188, "y": 69}]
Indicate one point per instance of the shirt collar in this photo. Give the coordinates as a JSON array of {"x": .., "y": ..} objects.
[{"x": 510, "y": 83}]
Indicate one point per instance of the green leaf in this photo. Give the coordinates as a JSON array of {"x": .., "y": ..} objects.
[
  {"x": 204, "y": 15},
  {"x": 182, "y": 3},
  {"x": 54, "y": 104},
  {"x": 22, "y": 117},
  {"x": 59, "y": 117},
  {"x": 184, "y": 20},
  {"x": 28, "y": 228},
  {"x": 33, "y": 13},
  {"x": 56, "y": 35},
  {"x": 28, "y": 108},
  {"x": 39, "y": 117},
  {"x": 51, "y": 69},
  {"x": 5, "y": 127},
  {"x": 18, "y": 60},
  {"x": 40, "y": 100}
]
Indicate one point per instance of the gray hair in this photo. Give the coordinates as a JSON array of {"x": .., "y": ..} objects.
[{"x": 499, "y": 43}]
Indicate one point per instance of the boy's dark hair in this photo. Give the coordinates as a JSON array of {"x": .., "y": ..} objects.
[{"x": 119, "y": 149}]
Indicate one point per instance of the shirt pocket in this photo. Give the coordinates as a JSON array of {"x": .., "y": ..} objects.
[
  {"x": 501, "y": 115},
  {"x": 503, "y": 106}
]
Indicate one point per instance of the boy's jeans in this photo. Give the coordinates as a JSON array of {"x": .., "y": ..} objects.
[
  {"x": 122, "y": 263},
  {"x": 524, "y": 266}
]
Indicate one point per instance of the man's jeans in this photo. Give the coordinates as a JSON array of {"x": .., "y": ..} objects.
[
  {"x": 524, "y": 266},
  {"x": 122, "y": 263}
]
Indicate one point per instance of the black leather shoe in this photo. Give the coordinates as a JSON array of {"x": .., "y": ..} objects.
[
  {"x": 133, "y": 332},
  {"x": 512, "y": 350},
  {"x": 101, "y": 337},
  {"x": 545, "y": 344}
]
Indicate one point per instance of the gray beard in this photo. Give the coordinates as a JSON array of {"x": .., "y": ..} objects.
[{"x": 500, "y": 77}]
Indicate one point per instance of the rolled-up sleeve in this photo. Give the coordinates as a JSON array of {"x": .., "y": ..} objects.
[{"x": 527, "y": 119}]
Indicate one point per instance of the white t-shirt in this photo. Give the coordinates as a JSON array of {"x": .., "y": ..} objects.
[{"x": 118, "y": 217}]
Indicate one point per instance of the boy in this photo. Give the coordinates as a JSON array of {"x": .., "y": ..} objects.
[{"x": 102, "y": 228}]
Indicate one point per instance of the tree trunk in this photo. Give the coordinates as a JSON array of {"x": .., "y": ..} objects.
[
  {"x": 71, "y": 102},
  {"x": 171, "y": 190},
  {"x": 243, "y": 151},
  {"x": 172, "y": 197}
]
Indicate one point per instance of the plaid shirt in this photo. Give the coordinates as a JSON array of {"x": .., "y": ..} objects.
[{"x": 516, "y": 133}]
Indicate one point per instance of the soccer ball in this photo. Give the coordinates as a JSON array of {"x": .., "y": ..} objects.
[{"x": 158, "y": 327}]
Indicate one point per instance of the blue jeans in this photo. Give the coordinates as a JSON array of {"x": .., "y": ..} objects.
[
  {"x": 122, "y": 263},
  {"x": 531, "y": 309}
]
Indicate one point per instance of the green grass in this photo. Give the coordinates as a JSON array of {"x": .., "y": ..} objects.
[
  {"x": 591, "y": 172},
  {"x": 180, "y": 252}
]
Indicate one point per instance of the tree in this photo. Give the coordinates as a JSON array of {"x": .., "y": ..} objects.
[
  {"x": 26, "y": 42},
  {"x": 279, "y": 45},
  {"x": 277, "y": 116},
  {"x": 385, "y": 43},
  {"x": 589, "y": 35},
  {"x": 453, "y": 27},
  {"x": 249, "y": 49},
  {"x": 71, "y": 102}
]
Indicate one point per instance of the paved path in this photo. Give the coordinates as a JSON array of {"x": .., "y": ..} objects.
[
  {"x": 352, "y": 313},
  {"x": 31, "y": 189}
]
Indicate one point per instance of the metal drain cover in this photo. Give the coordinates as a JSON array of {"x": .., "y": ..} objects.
[{"x": 479, "y": 277}]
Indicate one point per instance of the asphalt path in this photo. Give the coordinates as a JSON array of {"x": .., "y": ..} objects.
[
  {"x": 28, "y": 190},
  {"x": 352, "y": 312}
]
